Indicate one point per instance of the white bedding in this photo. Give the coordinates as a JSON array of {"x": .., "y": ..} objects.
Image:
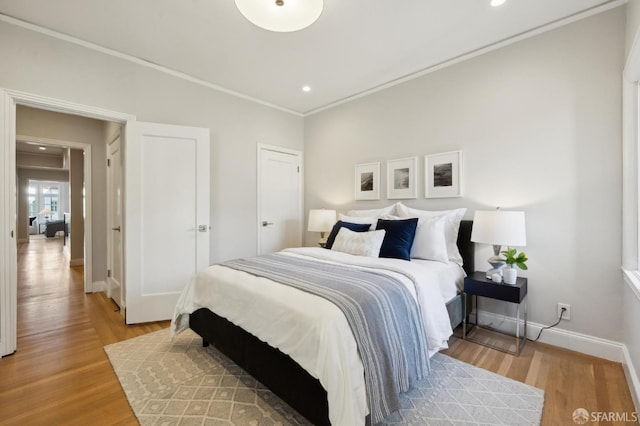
[{"x": 312, "y": 330}]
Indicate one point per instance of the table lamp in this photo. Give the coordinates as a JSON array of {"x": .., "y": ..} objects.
[
  {"x": 499, "y": 228},
  {"x": 46, "y": 212},
  {"x": 322, "y": 221}
]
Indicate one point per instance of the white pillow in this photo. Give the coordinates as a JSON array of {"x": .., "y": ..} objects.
[
  {"x": 359, "y": 243},
  {"x": 368, "y": 219},
  {"x": 430, "y": 242},
  {"x": 373, "y": 221},
  {"x": 390, "y": 217},
  {"x": 373, "y": 212},
  {"x": 452, "y": 226}
]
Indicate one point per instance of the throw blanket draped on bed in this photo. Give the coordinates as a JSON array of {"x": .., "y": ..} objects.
[{"x": 383, "y": 316}]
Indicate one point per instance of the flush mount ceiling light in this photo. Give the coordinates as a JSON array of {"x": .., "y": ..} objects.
[
  {"x": 496, "y": 3},
  {"x": 281, "y": 15}
]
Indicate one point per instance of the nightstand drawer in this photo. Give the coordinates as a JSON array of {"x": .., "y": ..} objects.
[{"x": 477, "y": 284}]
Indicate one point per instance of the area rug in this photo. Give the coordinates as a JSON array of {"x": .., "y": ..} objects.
[{"x": 181, "y": 383}]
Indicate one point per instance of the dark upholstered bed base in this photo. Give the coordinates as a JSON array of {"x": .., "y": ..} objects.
[
  {"x": 269, "y": 366},
  {"x": 278, "y": 371}
]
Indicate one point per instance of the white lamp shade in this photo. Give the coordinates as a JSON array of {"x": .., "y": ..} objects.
[
  {"x": 45, "y": 211},
  {"x": 293, "y": 15},
  {"x": 321, "y": 220},
  {"x": 498, "y": 227}
]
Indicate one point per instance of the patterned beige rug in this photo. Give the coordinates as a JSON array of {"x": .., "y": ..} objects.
[{"x": 182, "y": 383}]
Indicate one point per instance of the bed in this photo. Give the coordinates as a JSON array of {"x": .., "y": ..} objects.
[{"x": 278, "y": 371}]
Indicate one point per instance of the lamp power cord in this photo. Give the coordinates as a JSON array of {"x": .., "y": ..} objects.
[{"x": 562, "y": 311}]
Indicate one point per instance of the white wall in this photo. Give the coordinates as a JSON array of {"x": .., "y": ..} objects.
[
  {"x": 539, "y": 125},
  {"x": 46, "y": 66}
]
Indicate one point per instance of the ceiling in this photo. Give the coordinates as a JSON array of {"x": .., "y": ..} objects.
[
  {"x": 355, "y": 46},
  {"x": 52, "y": 158},
  {"x": 34, "y": 148}
]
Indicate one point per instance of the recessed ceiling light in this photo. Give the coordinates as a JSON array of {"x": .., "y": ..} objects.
[
  {"x": 306, "y": 88},
  {"x": 496, "y": 3},
  {"x": 42, "y": 148}
]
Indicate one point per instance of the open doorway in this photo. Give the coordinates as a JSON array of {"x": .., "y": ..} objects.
[
  {"x": 61, "y": 197},
  {"x": 49, "y": 224},
  {"x": 12, "y": 101},
  {"x": 50, "y": 192},
  {"x": 52, "y": 147}
]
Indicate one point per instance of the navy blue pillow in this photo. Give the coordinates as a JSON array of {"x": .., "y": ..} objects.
[
  {"x": 356, "y": 227},
  {"x": 398, "y": 238}
]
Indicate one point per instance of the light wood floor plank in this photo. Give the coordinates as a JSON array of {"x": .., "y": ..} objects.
[{"x": 61, "y": 375}]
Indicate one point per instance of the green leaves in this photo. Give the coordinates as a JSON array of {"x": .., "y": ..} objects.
[{"x": 512, "y": 257}]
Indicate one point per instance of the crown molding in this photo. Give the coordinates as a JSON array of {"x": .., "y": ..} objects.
[
  {"x": 138, "y": 61},
  {"x": 477, "y": 52}
]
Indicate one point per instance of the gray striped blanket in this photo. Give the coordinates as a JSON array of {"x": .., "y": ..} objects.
[{"x": 383, "y": 316}]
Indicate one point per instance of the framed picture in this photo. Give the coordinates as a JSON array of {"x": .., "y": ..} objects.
[
  {"x": 401, "y": 178},
  {"x": 443, "y": 175},
  {"x": 367, "y": 181}
]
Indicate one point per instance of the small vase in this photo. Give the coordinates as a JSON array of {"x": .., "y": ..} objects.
[{"x": 510, "y": 274}]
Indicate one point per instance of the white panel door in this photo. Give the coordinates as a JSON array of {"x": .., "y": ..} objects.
[
  {"x": 280, "y": 200},
  {"x": 166, "y": 216},
  {"x": 114, "y": 192},
  {"x": 8, "y": 251}
]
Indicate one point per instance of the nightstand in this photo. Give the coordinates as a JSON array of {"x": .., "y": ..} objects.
[{"x": 478, "y": 285}]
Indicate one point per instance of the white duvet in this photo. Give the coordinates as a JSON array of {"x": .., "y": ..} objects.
[{"x": 313, "y": 331}]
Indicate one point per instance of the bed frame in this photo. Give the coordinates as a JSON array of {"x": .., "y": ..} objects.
[{"x": 278, "y": 371}]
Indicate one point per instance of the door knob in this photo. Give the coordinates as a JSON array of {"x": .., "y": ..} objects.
[
  {"x": 202, "y": 228},
  {"x": 265, "y": 223}
]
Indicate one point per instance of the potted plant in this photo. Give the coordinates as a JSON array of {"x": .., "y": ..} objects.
[{"x": 512, "y": 258}]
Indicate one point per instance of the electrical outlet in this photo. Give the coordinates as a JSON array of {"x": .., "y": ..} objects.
[{"x": 567, "y": 313}]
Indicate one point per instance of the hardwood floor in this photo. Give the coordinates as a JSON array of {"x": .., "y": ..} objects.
[
  {"x": 570, "y": 379},
  {"x": 61, "y": 375}
]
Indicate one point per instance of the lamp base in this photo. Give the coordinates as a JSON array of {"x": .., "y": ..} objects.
[
  {"x": 492, "y": 271},
  {"x": 497, "y": 264}
]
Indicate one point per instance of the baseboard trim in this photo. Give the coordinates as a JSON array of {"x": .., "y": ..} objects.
[
  {"x": 632, "y": 377},
  {"x": 590, "y": 345},
  {"x": 99, "y": 286},
  {"x": 77, "y": 262}
]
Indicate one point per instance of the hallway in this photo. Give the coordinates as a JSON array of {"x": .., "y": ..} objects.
[{"x": 60, "y": 373}]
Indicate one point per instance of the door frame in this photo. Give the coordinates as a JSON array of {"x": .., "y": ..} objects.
[
  {"x": 9, "y": 99},
  {"x": 260, "y": 148},
  {"x": 111, "y": 140},
  {"x": 86, "y": 148}
]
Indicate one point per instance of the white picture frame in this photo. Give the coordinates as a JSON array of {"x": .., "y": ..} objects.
[
  {"x": 367, "y": 181},
  {"x": 443, "y": 175},
  {"x": 401, "y": 178}
]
